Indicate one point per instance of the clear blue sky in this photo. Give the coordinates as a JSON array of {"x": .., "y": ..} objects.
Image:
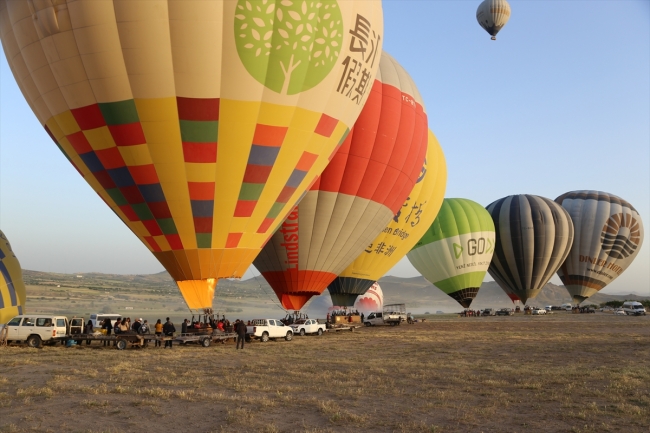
[{"x": 561, "y": 101}]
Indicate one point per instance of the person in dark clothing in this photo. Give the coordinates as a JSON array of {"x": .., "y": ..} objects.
[
  {"x": 89, "y": 330},
  {"x": 362, "y": 317},
  {"x": 168, "y": 330},
  {"x": 108, "y": 326},
  {"x": 184, "y": 327},
  {"x": 240, "y": 329},
  {"x": 136, "y": 326}
]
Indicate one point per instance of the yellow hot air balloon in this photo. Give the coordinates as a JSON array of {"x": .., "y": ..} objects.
[
  {"x": 400, "y": 235},
  {"x": 200, "y": 123},
  {"x": 12, "y": 288}
]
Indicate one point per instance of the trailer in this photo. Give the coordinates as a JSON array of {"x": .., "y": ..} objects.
[
  {"x": 205, "y": 338},
  {"x": 122, "y": 341}
]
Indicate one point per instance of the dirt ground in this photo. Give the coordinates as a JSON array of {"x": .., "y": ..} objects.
[{"x": 562, "y": 373}]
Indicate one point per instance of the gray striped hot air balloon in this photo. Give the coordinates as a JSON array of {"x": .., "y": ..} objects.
[
  {"x": 608, "y": 237},
  {"x": 533, "y": 238},
  {"x": 493, "y": 15}
]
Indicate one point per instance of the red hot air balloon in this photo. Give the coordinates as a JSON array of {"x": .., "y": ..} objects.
[{"x": 361, "y": 189}]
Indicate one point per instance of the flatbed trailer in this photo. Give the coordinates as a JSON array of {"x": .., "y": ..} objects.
[
  {"x": 204, "y": 339},
  {"x": 343, "y": 327},
  {"x": 122, "y": 341}
]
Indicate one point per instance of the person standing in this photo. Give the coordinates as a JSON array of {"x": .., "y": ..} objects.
[
  {"x": 240, "y": 328},
  {"x": 158, "y": 328},
  {"x": 168, "y": 330},
  {"x": 184, "y": 327},
  {"x": 89, "y": 330}
]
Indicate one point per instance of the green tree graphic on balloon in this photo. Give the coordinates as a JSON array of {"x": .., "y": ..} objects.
[{"x": 289, "y": 46}]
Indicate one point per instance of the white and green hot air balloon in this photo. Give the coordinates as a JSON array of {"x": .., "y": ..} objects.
[
  {"x": 455, "y": 252},
  {"x": 608, "y": 237}
]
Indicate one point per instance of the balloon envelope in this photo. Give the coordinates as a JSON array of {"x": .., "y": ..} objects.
[
  {"x": 455, "y": 252},
  {"x": 199, "y": 123},
  {"x": 12, "y": 287},
  {"x": 408, "y": 225},
  {"x": 534, "y": 236},
  {"x": 372, "y": 300},
  {"x": 493, "y": 15},
  {"x": 360, "y": 190},
  {"x": 608, "y": 237}
]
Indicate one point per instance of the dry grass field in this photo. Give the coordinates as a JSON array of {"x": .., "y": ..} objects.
[{"x": 563, "y": 373}]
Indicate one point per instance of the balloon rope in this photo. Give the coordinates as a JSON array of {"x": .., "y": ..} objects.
[{"x": 273, "y": 299}]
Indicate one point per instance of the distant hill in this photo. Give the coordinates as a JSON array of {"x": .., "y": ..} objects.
[{"x": 419, "y": 295}]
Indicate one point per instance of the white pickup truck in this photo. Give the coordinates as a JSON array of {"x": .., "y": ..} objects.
[
  {"x": 265, "y": 329},
  {"x": 309, "y": 326}
]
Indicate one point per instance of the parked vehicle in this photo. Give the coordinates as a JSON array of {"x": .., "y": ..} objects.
[
  {"x": 566, "y": 307},
  {"x": 548, "y": 308},
  {"x": 393, "y": 314},
  {"x": 634, "y": 308},
  {"x": 309, "y": 326},
  {"x": 504, "y": 312},
  {"x": 265, "y": 329},
  {"x": 619, "y": 312},
  {"x": 36, "y": 329},
  {"x": 488, "y": 312},
  {"x": 538, "y": 311},
  {"x": 98, "y": 319}
]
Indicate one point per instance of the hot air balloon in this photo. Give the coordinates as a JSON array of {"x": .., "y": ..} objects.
[
  {"x": 493, "y": 15},
  {"x": 357, "y": 194},
  {"x": 396, "y": 239},
  {"x": 199, "y": 123},
  {"x": 608, "y": 237},
  {"x": 12, "y": 288},
  {"x": 372, "y": 300},
  {"x": 534, "y": 236},
  {"x": 455, "y": 252}
]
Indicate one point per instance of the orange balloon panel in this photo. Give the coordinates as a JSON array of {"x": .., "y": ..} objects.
[
  {"x": 360, "y": 190},
  {"x": 200, "y": 123}
]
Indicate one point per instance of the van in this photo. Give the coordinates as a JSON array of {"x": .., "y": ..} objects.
[
  {"x": 35, "y": 329},
  {"x": 98, "y": 319},
  {"x": 633, "y": 308}
]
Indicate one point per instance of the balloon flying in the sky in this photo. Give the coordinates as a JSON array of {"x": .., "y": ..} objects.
[
  {"x": 493, "y": 15},
  {"x": 199, "y": 123},
  {"x": 534, "y": 235},
  {"x": 12, "y": 288},
  {"x": 455, "y": 252},
  {"x": 358, "y": 193},
  {"x": 396, "y": 239},
  {"x": 608, "y": 237}
]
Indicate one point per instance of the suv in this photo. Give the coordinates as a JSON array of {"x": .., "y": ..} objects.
[
  {"x": 488, "y": 312},
  {"x": 34, "y": 329},
  {"x": 504, "y": 312}
]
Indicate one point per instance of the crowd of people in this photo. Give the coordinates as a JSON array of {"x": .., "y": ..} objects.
[
  {"x": 331, "y": 317},
  {"x": 167, "y": 329}
]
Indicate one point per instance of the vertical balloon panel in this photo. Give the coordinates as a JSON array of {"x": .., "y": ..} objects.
[{"x": 199, "y": 123}]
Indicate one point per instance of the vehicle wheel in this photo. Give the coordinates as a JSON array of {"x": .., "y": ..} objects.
[
  {"x": 302, "y": 332},
  {"x": 320, "y": 331},
  {"x": 367, "y": 323},
  {"x": 248, "y": 338},
  {"x": 205, "y": 342},
  {"x": 392, "y": 323},
  {"x": 34, "y": 341},
  {"x": 120, "y": 344},
  {"x": 265, "y": 337},
  {"x": 289, "y": 336}
]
